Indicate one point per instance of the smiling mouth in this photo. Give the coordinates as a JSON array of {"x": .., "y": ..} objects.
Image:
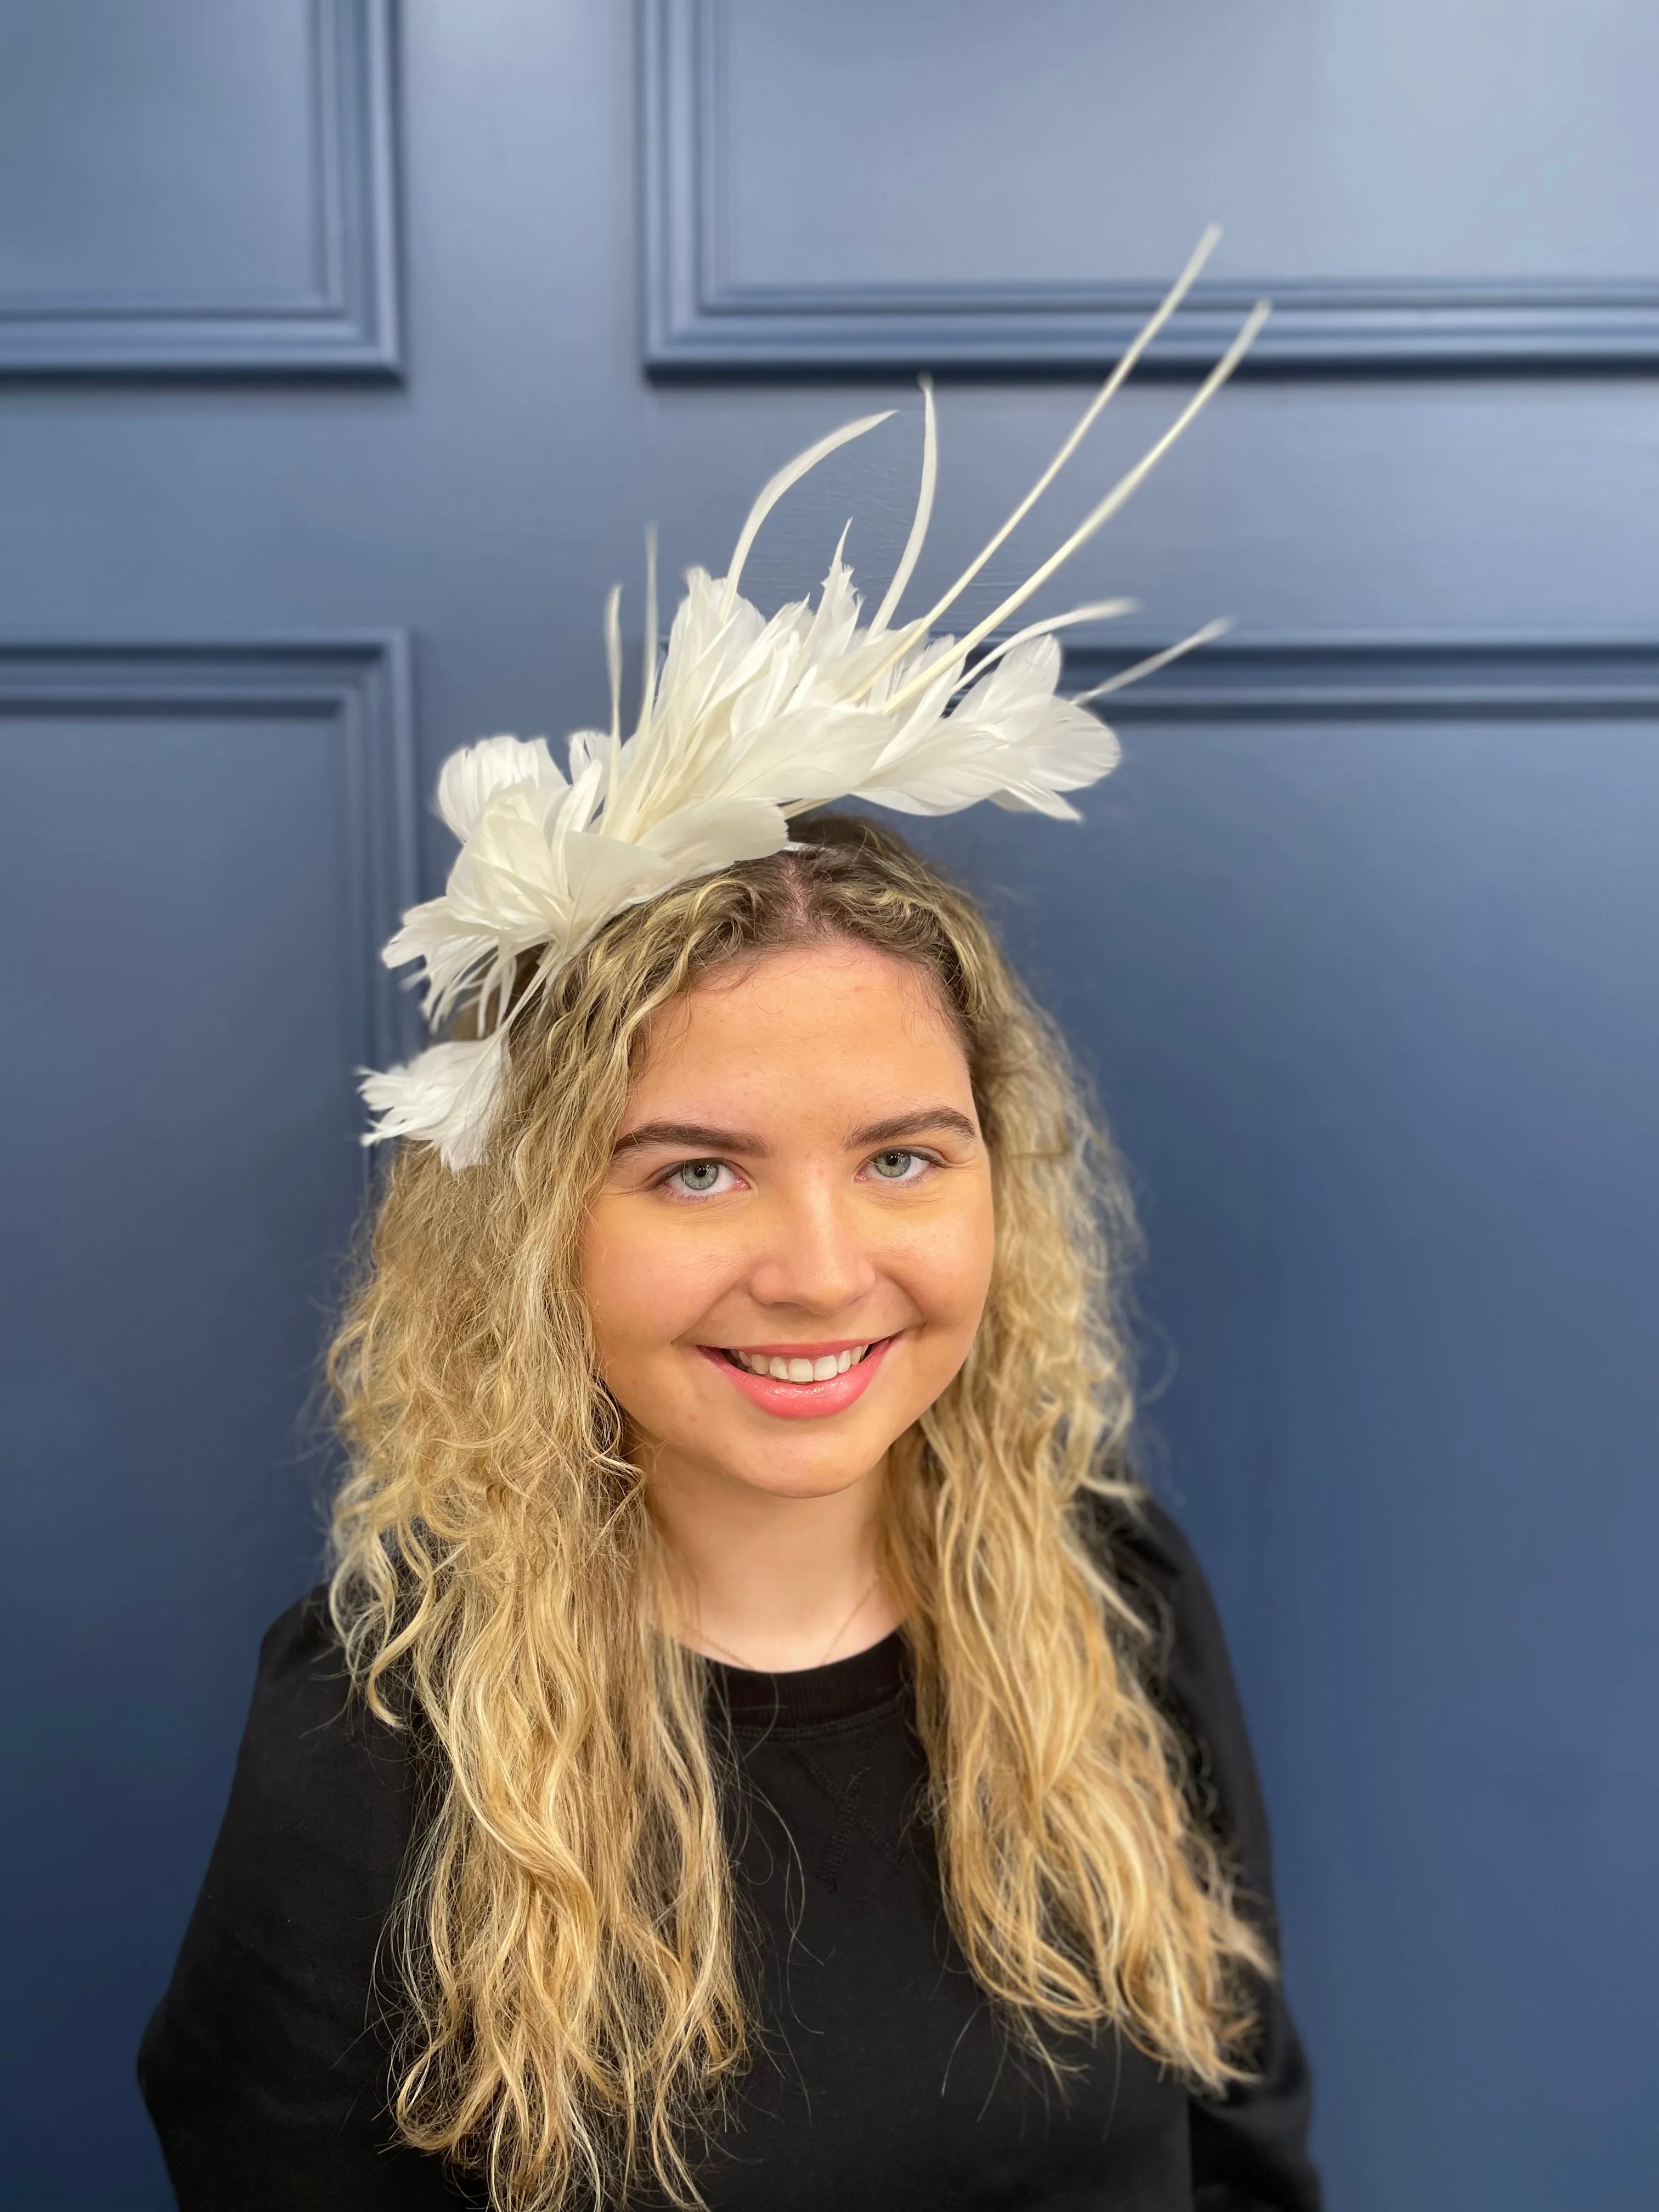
[
  {"x": 795, "y": 1367},
  {"x": 798, "y": 1382}
]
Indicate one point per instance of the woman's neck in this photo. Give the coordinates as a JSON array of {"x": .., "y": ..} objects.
[{"x": 775, "y": 1583}]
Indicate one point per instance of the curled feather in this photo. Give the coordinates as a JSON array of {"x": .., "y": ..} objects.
[
  {"x": 446, "y": 1095},
  {"x": 470, "y": 778}
]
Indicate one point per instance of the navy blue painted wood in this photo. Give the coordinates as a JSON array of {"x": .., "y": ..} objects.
[
  {"x": 1032, "y": 178},
  {"x": 192, "y": 188},
  {"x": 1358, "y": 944},
  {"x": 199, "y": 848},
  {"x": 1370, "y": 994}
]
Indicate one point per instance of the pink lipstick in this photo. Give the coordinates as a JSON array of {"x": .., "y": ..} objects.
[{"x": 796, "y": 1395}]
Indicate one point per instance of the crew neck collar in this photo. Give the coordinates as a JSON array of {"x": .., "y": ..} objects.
[{"x": 808, "y": 1697}]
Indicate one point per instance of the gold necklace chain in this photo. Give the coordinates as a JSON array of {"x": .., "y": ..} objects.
[{"x": 748, "y": 1666}]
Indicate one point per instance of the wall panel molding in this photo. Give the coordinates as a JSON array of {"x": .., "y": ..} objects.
[
  {"x": 1372, "y": 676},
  {"x": 358, "y": 686},
  {"x": 698, "y": 318},
  {"x": 346, "y": 323}
]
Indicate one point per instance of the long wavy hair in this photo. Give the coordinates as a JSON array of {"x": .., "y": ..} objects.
[{"x": 571, "y": 1949}]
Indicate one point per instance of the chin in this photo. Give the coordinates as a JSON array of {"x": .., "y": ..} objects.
[{"x": 820, "y": 1468}]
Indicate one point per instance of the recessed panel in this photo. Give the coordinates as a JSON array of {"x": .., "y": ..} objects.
[
  {"x": 960, "y": 183},
  {"x": 197, "y": 185},
  {"x": 1370, "y": 1000},
  {"x": 160, "y": 152},
  {"x": 182, "y": 881},
  {"x": 967, "y": 143}
]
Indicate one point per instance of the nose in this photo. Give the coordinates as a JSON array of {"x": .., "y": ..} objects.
[{"x": 816, "y": 1256}]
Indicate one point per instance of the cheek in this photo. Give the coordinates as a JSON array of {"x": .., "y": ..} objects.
[
  {"x": 945, "y": 1264},
  {"x": 642, "y": 1288}
]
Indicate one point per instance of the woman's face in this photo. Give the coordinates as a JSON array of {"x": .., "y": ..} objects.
[{"x": 799, "y": 1183}]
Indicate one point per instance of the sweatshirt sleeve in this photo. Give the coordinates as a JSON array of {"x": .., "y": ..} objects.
[
  {"x": 1248, "y": 2147},
  {"x": 267, "y": 2066}
]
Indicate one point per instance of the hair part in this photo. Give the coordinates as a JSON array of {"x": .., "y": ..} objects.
[{"x": 575, "y": 1965}]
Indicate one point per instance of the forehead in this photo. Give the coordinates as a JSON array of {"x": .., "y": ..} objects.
[{"x": 829, "y": 1021}]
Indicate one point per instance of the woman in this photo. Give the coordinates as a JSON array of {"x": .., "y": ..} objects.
[{"x": 759, "y": 1747}]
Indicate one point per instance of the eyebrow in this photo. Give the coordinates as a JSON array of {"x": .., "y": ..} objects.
[
  {"x": 700, "y": 1137},
  {"x": 914, "y": 1125},
  {"x": 695, "y": 1136}
]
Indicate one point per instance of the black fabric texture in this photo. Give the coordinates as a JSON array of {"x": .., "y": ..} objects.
[{"x": 882, "y": 2078}]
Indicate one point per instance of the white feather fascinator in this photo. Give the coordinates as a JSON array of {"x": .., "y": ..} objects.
[{"x": 746, "y": 721}]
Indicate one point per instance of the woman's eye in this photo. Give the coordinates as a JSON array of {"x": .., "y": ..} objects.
[
  {"x": 697, "y": 1178},
  {"x": 898, "y": 1166}
]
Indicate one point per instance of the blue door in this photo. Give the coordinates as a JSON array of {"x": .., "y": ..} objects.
[{"x": 345, "y": 351}]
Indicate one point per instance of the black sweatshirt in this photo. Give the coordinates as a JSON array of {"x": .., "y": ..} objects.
[{"x": 881, "y": 2080}]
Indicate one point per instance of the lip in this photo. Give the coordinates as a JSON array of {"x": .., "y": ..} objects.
[
  {"x": 804, "y": 1401},
  {"x": 808, "y": 1350}
]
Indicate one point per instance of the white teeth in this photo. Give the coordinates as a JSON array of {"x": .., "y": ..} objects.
[{"x": 801, "y": 1370}]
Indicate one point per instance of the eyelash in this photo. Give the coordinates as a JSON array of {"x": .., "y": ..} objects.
[{"x": 697, "y": 1197}]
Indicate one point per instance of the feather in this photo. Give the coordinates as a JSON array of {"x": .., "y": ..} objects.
[
  {"x": 748, "y": 720},
  {"x": 1131, "y": 480},
  {"x": 469, "y": 779},
  {"x": 787, "y": 478},
  {"x": 1154, "y": 661},
  {"x": 1120, "y": 376},
  {"x": 717, "y": 833},
  {"x": 446, "y": 1095},
  {"x": 613, "y": 657},
  {"x": 648, "y": 671},
  {"x": 924, "y": 513},
  {"x": 1100, "y": 611},
  {"x": 1009, "y": 735}
]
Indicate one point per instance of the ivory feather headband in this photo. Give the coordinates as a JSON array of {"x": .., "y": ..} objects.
[{"x": 746, "y": 722}]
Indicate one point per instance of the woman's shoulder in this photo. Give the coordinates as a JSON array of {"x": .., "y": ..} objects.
[
  {"x": 322, "y": 1799},
  {"x": 1185, "y": 1661},
  {"x": 302, "y": 1639},
  {"x": 1250, "y": 2144},
  {"x": 302, "y": 1675},
  {"x": 264, "y": 2067},
  {"x": 1144, "y": 1549},
  {"x": 311, "y": 1744}
]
